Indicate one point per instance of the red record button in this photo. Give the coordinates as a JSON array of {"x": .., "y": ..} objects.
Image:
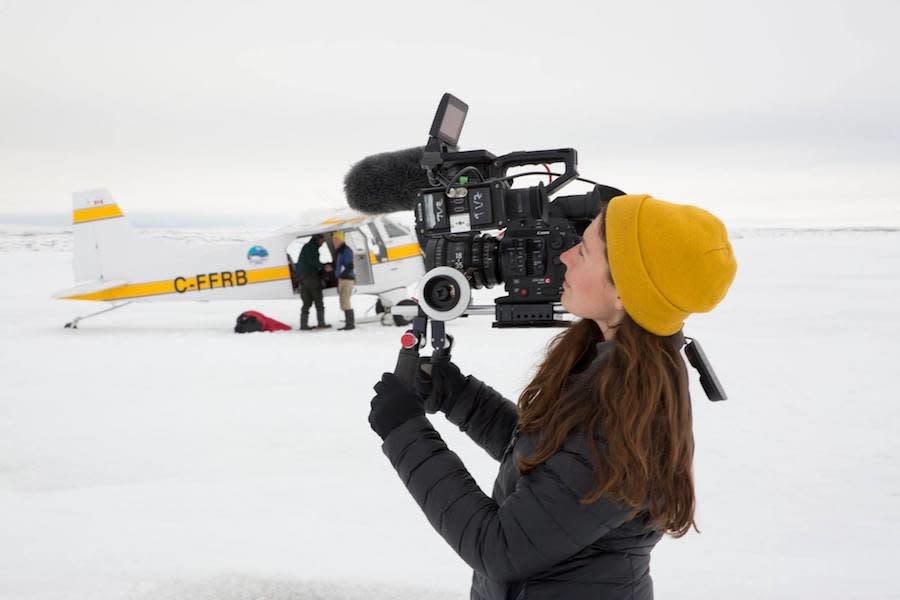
[{"x": 408, "y": 340}]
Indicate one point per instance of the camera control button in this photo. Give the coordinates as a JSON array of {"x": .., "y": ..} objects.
[{"x": 409, "y": 340}]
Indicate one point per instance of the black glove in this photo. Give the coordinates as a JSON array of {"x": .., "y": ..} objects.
[
  {"x": 393, "y": 405},
  {"x": 438, "y": 383}
]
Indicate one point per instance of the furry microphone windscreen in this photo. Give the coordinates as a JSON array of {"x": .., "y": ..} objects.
[{"x": 386, "y": 182}]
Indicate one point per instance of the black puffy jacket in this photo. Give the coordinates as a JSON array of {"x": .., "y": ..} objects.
[{"x": 531, "y": 539}]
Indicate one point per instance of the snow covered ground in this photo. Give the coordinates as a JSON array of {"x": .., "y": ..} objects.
[{"x": 153, "y": 454}]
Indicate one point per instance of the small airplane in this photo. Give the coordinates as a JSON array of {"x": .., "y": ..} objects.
[{"x": 116, "y": 265}]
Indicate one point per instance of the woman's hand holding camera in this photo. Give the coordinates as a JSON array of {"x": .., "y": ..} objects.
[
  {"x": 438, "y": 383},
  {"x": 394, "y": 404}
]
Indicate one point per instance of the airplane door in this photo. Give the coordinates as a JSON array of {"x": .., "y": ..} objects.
[
  {"x": 376, "y": 243},
  {"x": 361, "y": 264}
]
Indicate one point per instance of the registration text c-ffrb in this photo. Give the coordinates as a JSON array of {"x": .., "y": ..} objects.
[{"x": 210, "y": 281}]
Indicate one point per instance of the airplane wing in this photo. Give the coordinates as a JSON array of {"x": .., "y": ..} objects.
[{"x": 325, "y": 223}]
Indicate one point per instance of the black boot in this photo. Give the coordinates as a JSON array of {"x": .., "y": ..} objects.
[
  {"x": 320, "y": 318},
  {"x": 304, "y": 321},
  {"x": 349, "y": 321}
]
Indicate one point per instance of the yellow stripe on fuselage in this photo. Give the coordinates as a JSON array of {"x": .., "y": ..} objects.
[
  {"x": 268, "y": 274},
  {"x": 187, "y": 284},
  {"x": 95, "y": 213},
  {"x": 405, "y": 251},
  {"x": 398, "y": 253}
]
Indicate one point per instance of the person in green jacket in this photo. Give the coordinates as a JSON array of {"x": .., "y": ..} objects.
[{"x": 310, "y": 268}]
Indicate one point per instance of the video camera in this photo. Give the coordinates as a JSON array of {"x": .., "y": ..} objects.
[
  {"x": 471, "y": 192},
  {"x": 467, "y": 194}
]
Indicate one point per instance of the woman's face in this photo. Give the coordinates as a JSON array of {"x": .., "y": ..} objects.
[{"x": 587, "y": 290}]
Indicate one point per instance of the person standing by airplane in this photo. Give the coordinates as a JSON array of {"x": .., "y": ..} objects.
[
  {"x": 346, "y": 278},
  {"x": 310, "y": 269}
]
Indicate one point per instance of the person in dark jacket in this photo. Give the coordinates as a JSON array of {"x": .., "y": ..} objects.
[
  {"x": 346, "y": 277},
  {"x": 310, "y": 268},
  {"x": 596, "y": 458}
]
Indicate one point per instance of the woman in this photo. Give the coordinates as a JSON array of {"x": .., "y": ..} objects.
[{"x": 596, "y": 459}]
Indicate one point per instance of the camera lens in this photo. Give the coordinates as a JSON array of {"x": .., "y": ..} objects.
[{"x": 475, "y": 256}]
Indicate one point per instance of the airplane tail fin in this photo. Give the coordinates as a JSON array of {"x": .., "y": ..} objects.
[{"x": 102, "y": 236}]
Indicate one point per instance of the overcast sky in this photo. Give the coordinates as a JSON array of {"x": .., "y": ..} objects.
[{"x": 760, "y": 111}]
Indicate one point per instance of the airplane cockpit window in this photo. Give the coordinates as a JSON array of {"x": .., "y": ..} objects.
[{"x": 394, "y": 229}]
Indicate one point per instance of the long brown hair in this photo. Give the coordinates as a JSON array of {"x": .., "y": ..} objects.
[{"x": 637, "y": 401}]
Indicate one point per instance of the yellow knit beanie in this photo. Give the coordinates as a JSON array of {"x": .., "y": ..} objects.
[{"x": 667, "y": 260}]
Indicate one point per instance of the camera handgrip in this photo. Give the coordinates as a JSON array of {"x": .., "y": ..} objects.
[{"x": 407, "y": 363}]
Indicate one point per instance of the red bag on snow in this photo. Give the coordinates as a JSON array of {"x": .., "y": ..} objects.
[{"x": 250, "y": 321}]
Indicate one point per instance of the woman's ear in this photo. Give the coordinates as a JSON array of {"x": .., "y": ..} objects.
[{"x": 618, "y": 304}]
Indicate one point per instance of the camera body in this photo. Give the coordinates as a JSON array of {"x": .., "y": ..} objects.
[{"x": 472, "y": 194}]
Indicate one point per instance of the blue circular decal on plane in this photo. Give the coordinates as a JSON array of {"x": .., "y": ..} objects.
[{"x": 257, "y": 255}]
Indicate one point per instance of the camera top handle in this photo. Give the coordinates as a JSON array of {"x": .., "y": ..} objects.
[{"x": 567, "y": 156}]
